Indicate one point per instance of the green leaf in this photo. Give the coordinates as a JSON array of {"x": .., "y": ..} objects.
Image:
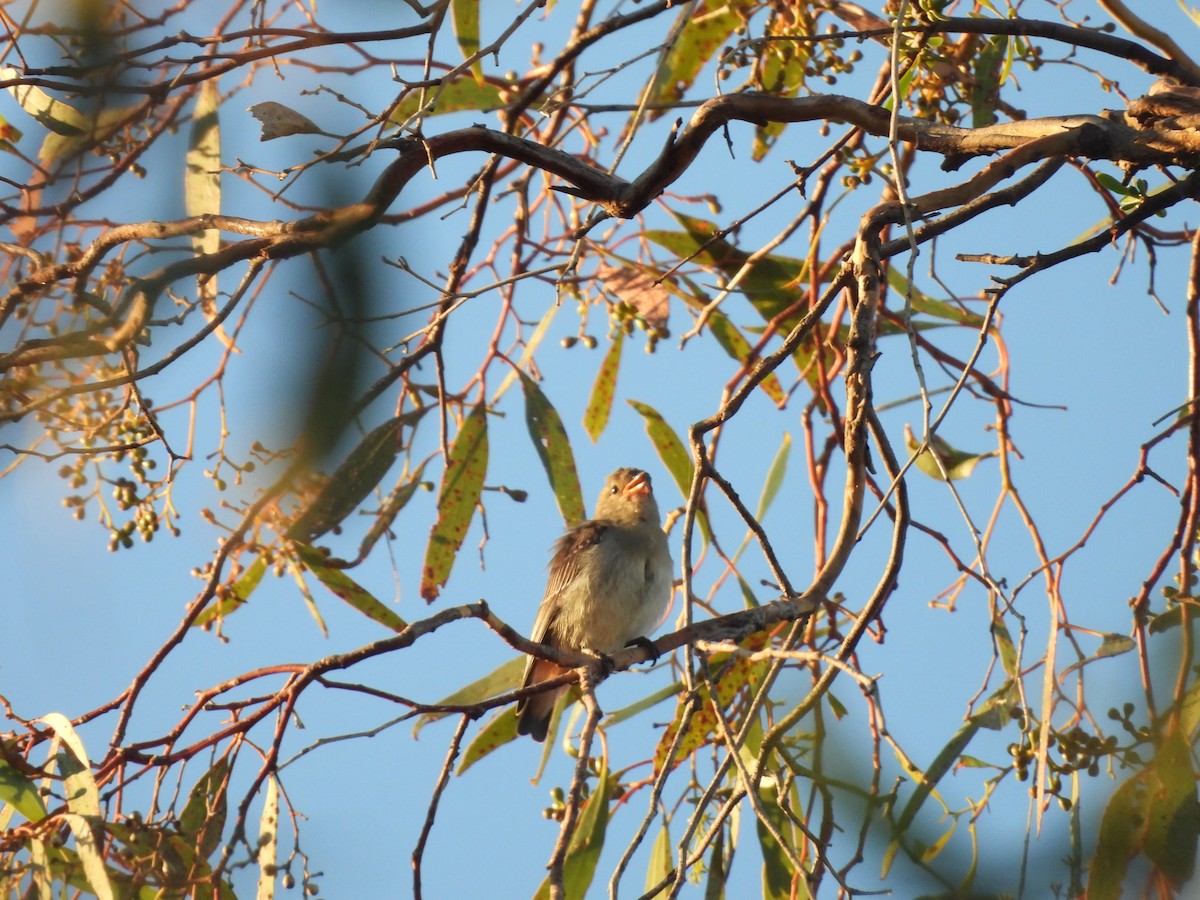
[
  {"x": 673, "y": 454},
  {"x": 774, "y": 479},
  {"x": 586, "y": 843},
  {"x": 465, "y": 14},
  {"x": 20, "y": 793},
  {"x": 957, "y": 463},
  {"x": 995, "y": 713},
  {"x": 599, "y": 407},
  {"x": 462, "y": 485},
  {"x": 1173, "y": 811},
  {"x": 667, "y": 444},
  {"x": 926, "y": 305},
  {"x": 352, "y": 481},
  {"x": 1005, "y": 646},
  {"x": 778, "y": 877},
  {"x": 345, "y": 587},
  {"x": 1112, "y": 645},
  {"x": 702, "y": 32},
  {"x": 464, "y": 93},
  {"x": 985, "y": 86},
  {"x": 1115, "y": 186},
  {"x": 502, "y": 679},
  {"x": 1156, "y": 813},
  {"x": 770, "y": 284},
  {"x": 554, "y": 449},
  {"x": 735, "y": 344},
  {"x": 499, "y": 730},
  {"x": 69, "y": 129},
  {"x": 662, "y": 863},
  {"x": 239, "y": 593},
  {"x": 203, "y": 818}
]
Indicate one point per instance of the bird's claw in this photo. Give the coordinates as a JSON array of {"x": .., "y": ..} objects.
[{"x": 646, "y": 644}]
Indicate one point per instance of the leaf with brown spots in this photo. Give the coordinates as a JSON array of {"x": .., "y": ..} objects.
[{"x": 462, "y": 485}]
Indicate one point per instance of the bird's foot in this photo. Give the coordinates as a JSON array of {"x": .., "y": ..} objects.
[
  {"x": 606, "y": 664},
  {"x": 646, "y": 644}
]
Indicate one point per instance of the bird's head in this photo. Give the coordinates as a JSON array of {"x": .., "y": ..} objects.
[{"x": 627, "y": 497}]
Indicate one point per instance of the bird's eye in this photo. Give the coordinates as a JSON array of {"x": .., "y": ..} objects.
[{"x": 614, "y": 490}]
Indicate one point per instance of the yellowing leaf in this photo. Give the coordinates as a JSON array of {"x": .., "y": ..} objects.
[
  {"x": 462, "y": 485},
  {"x": 599, "y": 406}
]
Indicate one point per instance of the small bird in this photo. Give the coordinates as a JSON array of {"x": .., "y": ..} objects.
[{"x": 609, "y": 586}]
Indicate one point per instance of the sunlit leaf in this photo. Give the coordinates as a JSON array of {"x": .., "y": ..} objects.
[
  {"x": 345, "y": 587},
  {"x": 554, "y": 449},
  {"x": 465, "y": 15},
  {"x": 238, "y": 594},
  {"x": 20, "y": 793},
  {"x": 735, "y": 344},
  {"x": 1005, "y": 646},
  {"x": 705, "y": 29},
  {"x": 460, "y": 94},
  {"x": 69, "y": 129},
  {"x": 462, "y": 485},
  {"x": 1156, "y": 813},
  {"x": 497, "y": 731},
  {"x": 661, "y": 861},
  {"x": 588, "y": 840},
  {"x": 501, "y": 679},
  {"x": 956, "y": 463},
  {"x": 771, "y": 283},
  {"x": 268, "y": 840},
  {"x": 79, "y": 784},
  {"x": 1115, "y": 645},
  {"x": 83, "y": 828},
  {"x": 929, "y": 306},
  {"x": 202, "y": 192},
  {"x": 649, "y": 298},
  {"x": 604, "y": 388},
  {"x": 774, "y": 479}
]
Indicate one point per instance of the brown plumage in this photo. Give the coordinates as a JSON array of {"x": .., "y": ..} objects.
[{"x": 609, "y": 583}]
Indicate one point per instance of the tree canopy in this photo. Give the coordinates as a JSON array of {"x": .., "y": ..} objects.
[{"x": 340, "y": 305}]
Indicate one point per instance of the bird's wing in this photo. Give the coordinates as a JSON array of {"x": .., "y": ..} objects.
[{"x": 564, "y": 569}]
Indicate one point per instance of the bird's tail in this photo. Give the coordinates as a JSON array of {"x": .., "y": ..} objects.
[{"x": 533, "y": 713}]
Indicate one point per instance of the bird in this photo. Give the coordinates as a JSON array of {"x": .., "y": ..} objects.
[{"x": 609, "y": 586}]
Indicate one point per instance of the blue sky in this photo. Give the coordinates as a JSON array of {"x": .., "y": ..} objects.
[{"x": 80, "y": 622}]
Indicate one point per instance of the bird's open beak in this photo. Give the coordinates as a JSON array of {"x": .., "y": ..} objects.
[{"x": 640, "y": 484}]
